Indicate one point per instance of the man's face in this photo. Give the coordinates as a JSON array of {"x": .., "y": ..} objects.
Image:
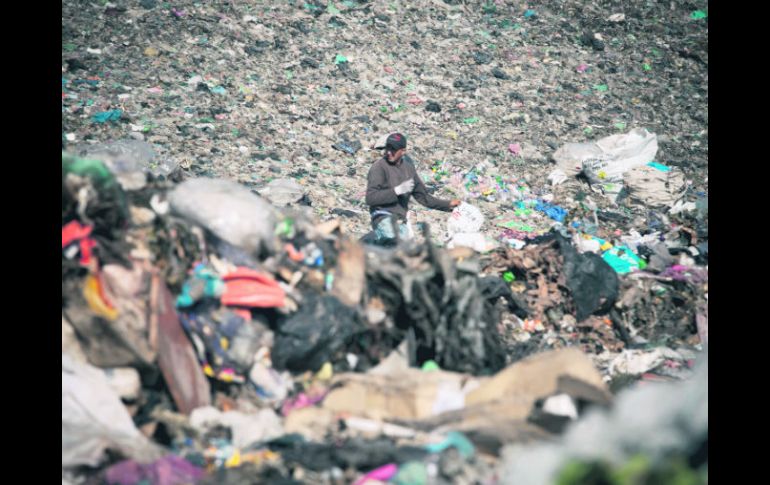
[{"x": 394, "y": 156}]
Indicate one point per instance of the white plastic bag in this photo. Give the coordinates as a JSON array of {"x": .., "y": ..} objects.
[
  {"x": 124, "y": 381},
  {"x": 227, "y": 209},
  {"x": 619, "y": 154},
  {"x": 465, "y": 218},
  {"x": 584, "y": 245},
  {"x": 633, "y": 240},
  {"x": 570, "y": 157},
  {"x": 463, "y": 228},
  {"x": 474, "y": 240},
  {"x": 682, "y": 206},
  {"x": 93, "y": 419},
  {"x": 606, "y": 160}
]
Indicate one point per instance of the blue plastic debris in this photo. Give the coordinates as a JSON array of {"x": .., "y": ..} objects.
[
  {"x": 453, "y": 439},
  {"x": 90, "y": 82},
  {"x": 553, "y": 211},
  {"x": 105, "y": 116},
  {"x": 203, "y": 282},
  {"x": 347, "y": 147},
  {"x": 529, "y": 13},
  {"x": 659, "y": 166}
]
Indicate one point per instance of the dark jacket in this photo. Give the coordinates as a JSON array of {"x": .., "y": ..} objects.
[{"x": 380, "y": 194}]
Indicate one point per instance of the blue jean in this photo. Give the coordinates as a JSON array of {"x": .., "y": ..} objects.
[{"x": 384, "y": 231}]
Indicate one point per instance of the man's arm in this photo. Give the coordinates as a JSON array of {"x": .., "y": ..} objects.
[
  {"x": 423, "y": 197},
  {"x": 378, "y": 192}
]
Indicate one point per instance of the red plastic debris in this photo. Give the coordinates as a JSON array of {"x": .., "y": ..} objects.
[
  {"x": 250, "y": 288},
  {"x": 294, "y": 255},
  {"x": 74, "y": 231}
]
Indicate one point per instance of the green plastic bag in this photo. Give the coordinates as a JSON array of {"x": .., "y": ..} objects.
[{"x": 623, "y": 260}]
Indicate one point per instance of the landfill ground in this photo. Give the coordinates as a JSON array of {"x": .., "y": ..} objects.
[{"x": 223, "y": 323}]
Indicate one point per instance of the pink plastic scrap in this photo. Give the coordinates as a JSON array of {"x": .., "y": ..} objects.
[
  {"x": 302, "y": 400},
  {"x": 169, "y": 470},
  {"x": 514, "y": 148},
  {"x": 582, "y": 68},
  {"x": 686, "y": 273},
  {"x": 382, "y": 474}
]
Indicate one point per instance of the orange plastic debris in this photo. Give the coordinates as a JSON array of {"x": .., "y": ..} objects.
[{"x": 250, "y": 288}]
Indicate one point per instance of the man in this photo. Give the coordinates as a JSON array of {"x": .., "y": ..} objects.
[{"x": 392, "y": 180}]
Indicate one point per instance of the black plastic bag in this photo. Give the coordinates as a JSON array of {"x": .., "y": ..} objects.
[
  {"x": 592, "y": 282},
  {"x": 309, "y": 338}
]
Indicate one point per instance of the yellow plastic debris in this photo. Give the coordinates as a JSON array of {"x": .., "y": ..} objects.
[
  {"x": 325, "y": 373},
  {"x": 91, "y": 292}
]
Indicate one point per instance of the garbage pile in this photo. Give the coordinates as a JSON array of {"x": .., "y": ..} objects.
[
  {"x": 223, "y": 323},
  {"x": 198, "y": 317},
  {"x": 205, "y": 330}
]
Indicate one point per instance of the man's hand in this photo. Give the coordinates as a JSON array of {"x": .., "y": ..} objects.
[
  {"x": 405, "y": 187},
  {"x": 454, "y": 202}
]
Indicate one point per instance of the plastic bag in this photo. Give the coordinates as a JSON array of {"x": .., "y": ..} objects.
[
  {"x": 592, "y": 282},
  {"x": 125, "y": 381},
  {"x": 91, "y": 191},
  {"x": 302, "y": 344},
  {"x": 570, "y": 157},
  {"x": 93, "y": 419},
  {"x": 474, "y": 240},
  {"x": 606, "y": 160},
  {"x": 463, "y": 229},
  {"x": 623, "y": 260},
  {"x": 465, "y": 218},
  {"x": 619, "y": 154},
  {"x": 272, "y": 386},
  {"x": 169, "y": 470},
  {"x": 227, "y": 209}
]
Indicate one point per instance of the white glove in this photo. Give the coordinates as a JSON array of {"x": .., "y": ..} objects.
[{"x": 405, "y": 187}]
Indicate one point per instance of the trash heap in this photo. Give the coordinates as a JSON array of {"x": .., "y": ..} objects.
[
  {"x": 221, "y": 322},
  {"x": 198, "y": 317},
  {"x": 210, "y": 335}
]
